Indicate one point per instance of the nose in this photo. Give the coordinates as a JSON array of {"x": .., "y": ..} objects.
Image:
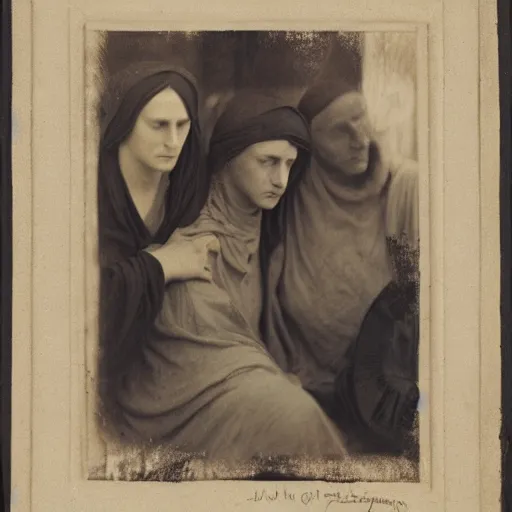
[
  {"x": 172, "y": 139},
  {"x": 280, "y": 175},
  {"x": 360, "y": 137}
]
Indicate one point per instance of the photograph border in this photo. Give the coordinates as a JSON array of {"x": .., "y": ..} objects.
[{"x": 85, "y": 208}]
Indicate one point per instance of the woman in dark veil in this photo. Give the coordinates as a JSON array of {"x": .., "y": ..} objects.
[{"x": 152, "y": 179}]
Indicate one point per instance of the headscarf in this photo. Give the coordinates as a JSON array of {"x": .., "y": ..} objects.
[
  {"x": 125, "y": 96},
  {"x": 321, "y": 94},
  {"x": 254, "y": 116},
  {"x": 251, "y": 116}
]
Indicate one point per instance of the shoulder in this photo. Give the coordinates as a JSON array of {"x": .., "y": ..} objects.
[
  {"x": 403, "y": 168},
  {"x": 404, "y": 176},
  {"x": 200, "y": 290},
  {"x": 192, "y": 302}
]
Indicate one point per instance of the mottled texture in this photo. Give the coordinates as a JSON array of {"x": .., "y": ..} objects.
[{"x": 160, "y": 464}]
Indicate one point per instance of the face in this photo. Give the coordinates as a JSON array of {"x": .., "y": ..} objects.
[
  {"x": 159, "y": 134},
  {"x": 341, "y": 134},
  {"x": 260, "y": 173}
]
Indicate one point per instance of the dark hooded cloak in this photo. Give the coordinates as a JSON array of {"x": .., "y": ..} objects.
[{"x": 132, "y": 281}]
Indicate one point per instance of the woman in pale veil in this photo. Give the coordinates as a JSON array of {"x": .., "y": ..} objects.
[{"x": 206, "y": 383}]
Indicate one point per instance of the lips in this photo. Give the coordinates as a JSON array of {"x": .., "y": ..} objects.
[{"x": 360, "y": 156}]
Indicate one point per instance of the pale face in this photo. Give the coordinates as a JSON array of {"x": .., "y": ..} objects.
[
  {"x": 156, "y": 141},
  {"x": 341, "y": 134},
  {"x": 260, "y": 173}
]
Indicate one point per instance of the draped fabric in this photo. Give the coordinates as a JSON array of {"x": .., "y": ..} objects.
[
  {"x": 331, "y": 266},
  {"x": 132, "y": 281},
  {"x": 378, "y": 393},
  {"x": 332, "y": 262},
  {"x": 321, "y": 94},
  {"x": 206, "y": 382},
  {"x": 402, "y": 211}
]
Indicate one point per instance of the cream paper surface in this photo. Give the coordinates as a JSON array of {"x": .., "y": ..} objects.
[{"x": 54, "y": 237}]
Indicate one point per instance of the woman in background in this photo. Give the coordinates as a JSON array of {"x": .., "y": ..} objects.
[{"x": 342, "y": 276}]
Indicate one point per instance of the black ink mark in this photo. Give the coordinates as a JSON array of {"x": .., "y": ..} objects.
[
  {"x": 394, "y": 506},
  {"x": 307, "y": 498},
  {"x": 289, "y": 496},
  {"x": 264, "y": 496}
]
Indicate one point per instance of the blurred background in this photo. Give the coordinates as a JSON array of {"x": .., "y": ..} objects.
[{"x": 383, "y": 64}]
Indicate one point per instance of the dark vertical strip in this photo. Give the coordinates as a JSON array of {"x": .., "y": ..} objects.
[
  {"x": 6, "y": 248},
  {"x": 245, "y": 54},
  {"x": 505, "y": 71}
]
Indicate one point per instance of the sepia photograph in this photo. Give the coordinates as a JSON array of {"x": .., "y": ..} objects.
[{"x": 253, "y": 255}]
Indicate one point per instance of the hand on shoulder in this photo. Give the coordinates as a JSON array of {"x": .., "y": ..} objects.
[{"x": 184, "y": 258}]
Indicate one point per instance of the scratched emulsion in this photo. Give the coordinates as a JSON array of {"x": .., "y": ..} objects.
[
  {"x": 288, "y": 61},
  {"x": 167, "y": 465}
]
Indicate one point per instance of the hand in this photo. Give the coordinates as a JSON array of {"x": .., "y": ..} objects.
[{"x": 185, "y": 258}]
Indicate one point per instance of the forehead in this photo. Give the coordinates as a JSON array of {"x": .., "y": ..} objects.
[
  {"x": 277, "y": 148},
  {"x": 165, "y": 104},
  {"x": 344, "y": 108}
]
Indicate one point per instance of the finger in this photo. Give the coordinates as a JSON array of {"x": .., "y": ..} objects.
[
  {"x": 206, "y": 275},
  {"x": 211, "y": 243}
]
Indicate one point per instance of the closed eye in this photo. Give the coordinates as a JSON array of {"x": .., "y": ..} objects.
[
  {"x": 164, "y": 124},
  {"x": 161, "y": 124},
  {"x": 342, "y": 127},
  {"x": 269, "y": 161}
]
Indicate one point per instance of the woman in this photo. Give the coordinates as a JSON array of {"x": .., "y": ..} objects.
[
  {"x": 152, "y": 179},
  {"x": 206, "y": 383},
  {"x": 349, "y": 230}
]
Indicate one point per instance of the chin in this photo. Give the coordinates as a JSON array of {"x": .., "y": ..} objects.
[
  {"x": 268, "y": 204},
  {"x": 358, "y": 169},
  {"x": 164, "y": 167}
]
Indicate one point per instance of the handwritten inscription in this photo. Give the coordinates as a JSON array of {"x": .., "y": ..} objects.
[{"x": 330, "y": 500}]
